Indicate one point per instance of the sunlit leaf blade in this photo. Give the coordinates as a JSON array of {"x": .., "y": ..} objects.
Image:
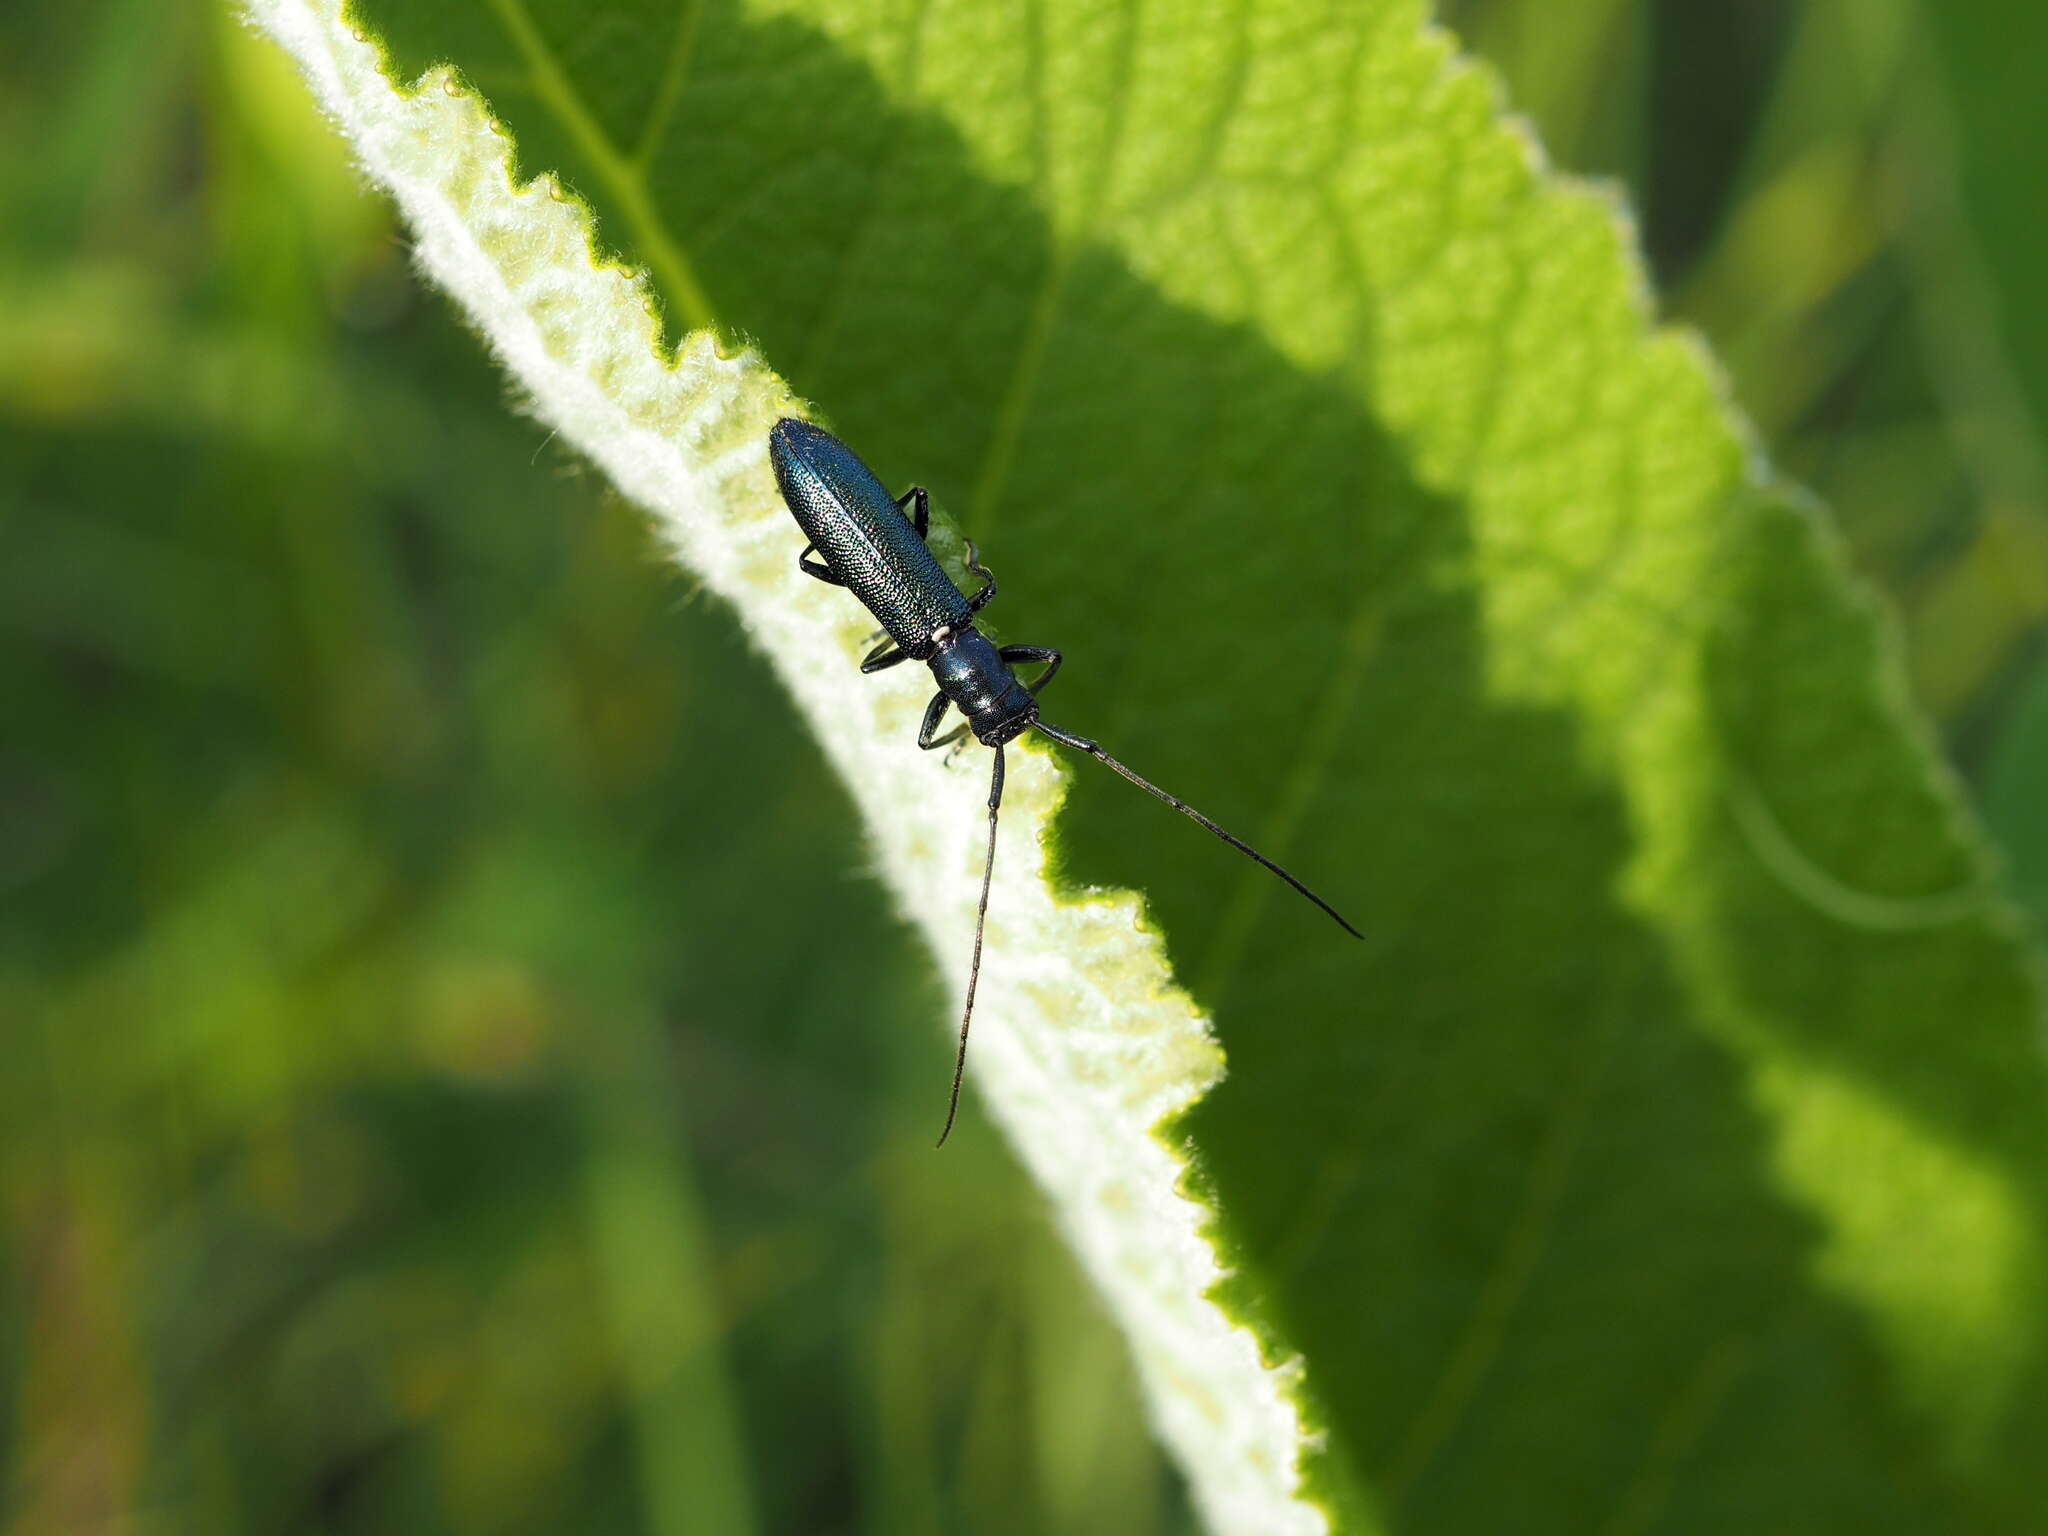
[{"x": 1671, "y": 1154}]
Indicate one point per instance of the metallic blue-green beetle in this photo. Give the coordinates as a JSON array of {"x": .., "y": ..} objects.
[{"x": 868, "y": 543}]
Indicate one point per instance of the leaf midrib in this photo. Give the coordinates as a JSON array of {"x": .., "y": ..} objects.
[{"x": 622, "y": 177}]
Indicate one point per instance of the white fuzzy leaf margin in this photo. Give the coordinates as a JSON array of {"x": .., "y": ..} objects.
[{"x": 1083, "y": 1042}]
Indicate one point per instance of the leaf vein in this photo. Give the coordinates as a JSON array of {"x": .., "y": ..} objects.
[
  {"x": 551, "y": 83},
  {"x": 1485, "y": 1333},
  {"x": 670, "y": 91}
]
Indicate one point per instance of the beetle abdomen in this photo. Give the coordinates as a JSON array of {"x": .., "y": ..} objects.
[{"x": 866, "y": 539}]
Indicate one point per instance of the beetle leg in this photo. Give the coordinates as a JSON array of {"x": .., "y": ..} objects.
[
  {"x": 816, "y": 568},
  {"x": 975, "y": 568},
  {"x": 1044, "y": 653},
  {"x": 882, "y": 657},
  {"x": 921, "y": 516},
  {"x": 926, "y": 734}
]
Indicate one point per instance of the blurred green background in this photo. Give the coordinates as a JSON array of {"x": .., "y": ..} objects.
[{"x": 460, "y": 1077}]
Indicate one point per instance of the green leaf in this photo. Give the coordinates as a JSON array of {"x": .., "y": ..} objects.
[{"x": 1671, "y": 1154}]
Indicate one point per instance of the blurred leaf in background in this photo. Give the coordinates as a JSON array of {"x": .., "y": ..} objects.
[{"x": 406, "y": 1127}]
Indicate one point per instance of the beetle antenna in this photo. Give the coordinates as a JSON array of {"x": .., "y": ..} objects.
[
  {"x": 988, "y": 870},
  {"x": 1083, "y": 744}
]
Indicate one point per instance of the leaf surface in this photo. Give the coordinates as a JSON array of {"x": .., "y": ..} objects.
[{"x": 1671, "y": 1154}]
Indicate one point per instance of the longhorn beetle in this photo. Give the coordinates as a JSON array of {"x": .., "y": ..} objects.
[{"x": 869, "y": 546}]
